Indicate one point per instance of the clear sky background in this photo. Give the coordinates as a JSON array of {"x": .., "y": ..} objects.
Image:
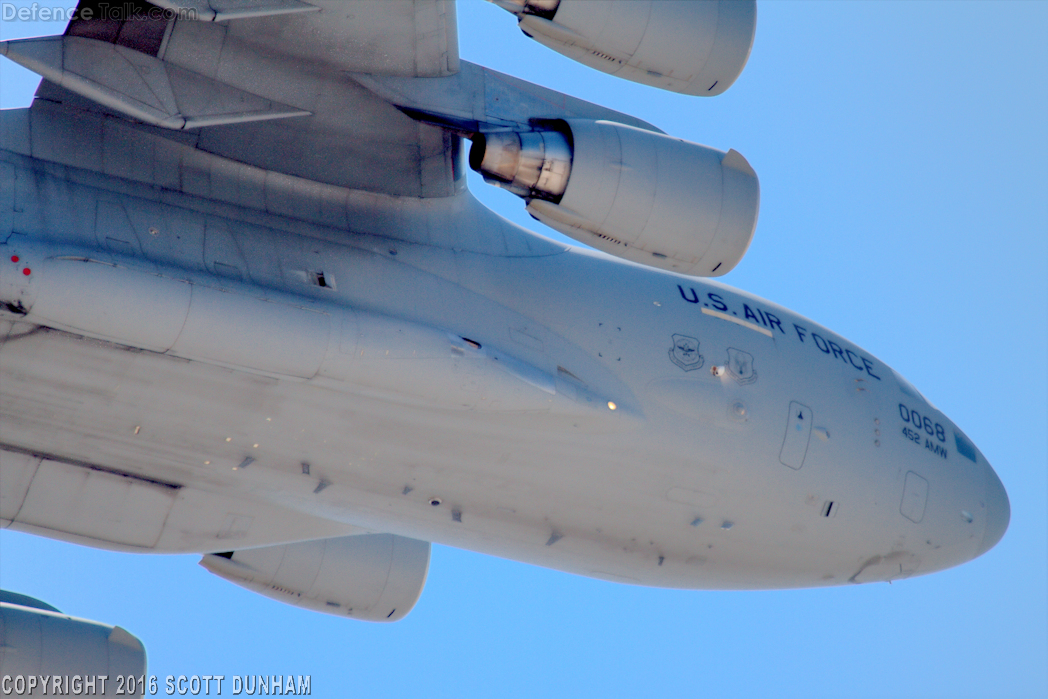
[{"x": 902, "y": 149}]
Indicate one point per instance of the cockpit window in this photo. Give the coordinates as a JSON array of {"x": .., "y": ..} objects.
[
  {"x": 964, "y": 445},
  {"x": 909, "y": 389}
]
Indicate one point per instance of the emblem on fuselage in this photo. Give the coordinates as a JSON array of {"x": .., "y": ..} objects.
[
  {"x": 740, "y": 366},
  {"x": 685, "y": 353}
]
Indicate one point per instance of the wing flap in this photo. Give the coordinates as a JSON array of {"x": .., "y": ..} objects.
[
  {"x": 140, "y": 86},
  {"x": 416, "y": 38}
]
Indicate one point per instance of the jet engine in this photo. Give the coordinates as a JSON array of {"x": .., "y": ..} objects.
[
  {"x": 697, "y": 47},
  {"x": 374, "y": 577},
  {"x": 46, "y": 652},
  {"x": 635, "y": 194}
]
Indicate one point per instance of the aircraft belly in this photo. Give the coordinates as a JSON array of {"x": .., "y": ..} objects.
[
  {"x": 595, "y": 505},
  {"x": 558, "y": 409}
]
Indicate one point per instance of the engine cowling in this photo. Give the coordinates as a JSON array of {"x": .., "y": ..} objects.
[
  {"x": 696, "y": 47},
  {"x": 39, "y": 645},
  {"x": 373, "y": 577},
  {"x": 635, "y": 194}
]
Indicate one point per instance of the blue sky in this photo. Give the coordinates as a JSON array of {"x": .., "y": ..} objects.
[{"x": 903, "y": 155}]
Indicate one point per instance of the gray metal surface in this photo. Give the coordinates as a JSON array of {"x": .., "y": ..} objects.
[{"x": 257, "y": 334}]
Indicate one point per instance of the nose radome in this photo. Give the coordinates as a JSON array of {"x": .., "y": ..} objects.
[{"x": 998, "y": 512}]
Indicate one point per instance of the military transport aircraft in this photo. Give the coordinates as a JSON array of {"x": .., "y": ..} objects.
[{"x": 250, "y": 310}]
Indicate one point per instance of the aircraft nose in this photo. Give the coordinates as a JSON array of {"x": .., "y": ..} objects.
[{"x": 998, "y": 512}]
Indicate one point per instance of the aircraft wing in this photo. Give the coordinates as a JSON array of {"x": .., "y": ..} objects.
[
  {"x": 364, "y": 95},
  {"x": 268, "y": 81}
]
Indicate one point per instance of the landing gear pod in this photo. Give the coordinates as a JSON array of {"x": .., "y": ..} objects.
[
  {"x": 373, "y": 577},
  {"x": 635, "y": 194},
  {"x": 696, "y": 47}
]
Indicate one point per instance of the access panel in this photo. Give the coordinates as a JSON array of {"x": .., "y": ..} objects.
[
  {"x": 798, "y": 433},
  {"x": 914, "y": 497}
]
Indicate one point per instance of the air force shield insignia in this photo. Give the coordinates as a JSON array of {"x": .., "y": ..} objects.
[
  {"x": 740, "y": 366},
  {"x": 685, "y": 353}
]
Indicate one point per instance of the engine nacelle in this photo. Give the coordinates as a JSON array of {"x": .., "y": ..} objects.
[
  {"x": 40, "y": 644},
  {"x": 374, "y": 577},
  {"x": 697, "y": 47},
  {"x": 635, "y": 194}
]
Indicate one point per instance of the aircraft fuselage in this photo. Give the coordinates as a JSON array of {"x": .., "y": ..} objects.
[{"x": 536, "y": 402}]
